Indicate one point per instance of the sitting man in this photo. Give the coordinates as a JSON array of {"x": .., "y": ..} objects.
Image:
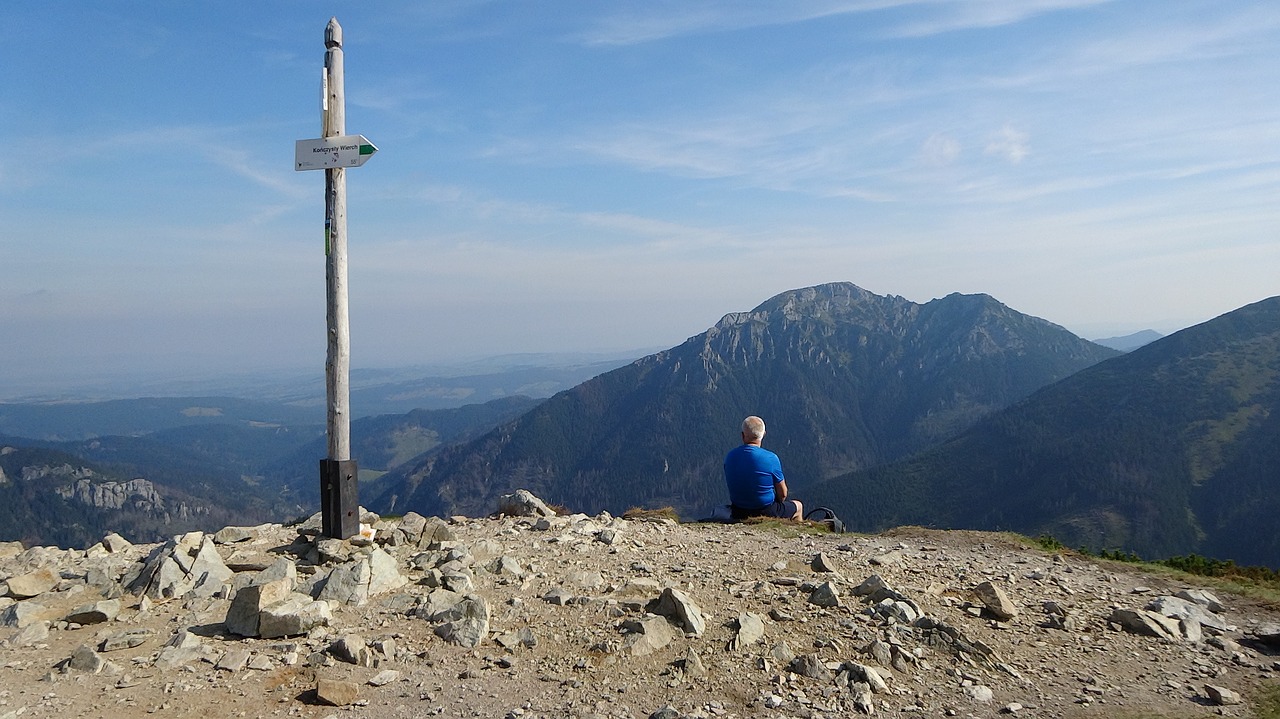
[{"x": 754, "y": 475}]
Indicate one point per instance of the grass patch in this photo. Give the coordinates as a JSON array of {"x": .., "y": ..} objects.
[
  {"x": 788, "y": 527},
  {"x": 640, "y": 514},
  {"x": 1267, "y": 704},
  {"x": 1260, "y": 583}
]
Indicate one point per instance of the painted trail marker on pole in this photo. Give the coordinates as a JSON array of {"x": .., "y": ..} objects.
[{"x": 333, "y": 152}]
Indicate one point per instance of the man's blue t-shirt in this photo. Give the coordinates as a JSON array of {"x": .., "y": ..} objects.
[{"x": 750, "y": 472}]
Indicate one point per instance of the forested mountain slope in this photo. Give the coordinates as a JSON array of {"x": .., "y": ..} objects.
[{"x": 1169, "y": 450}]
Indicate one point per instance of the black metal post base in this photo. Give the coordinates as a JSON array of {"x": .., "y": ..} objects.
[{"x": 339, "y": 498}]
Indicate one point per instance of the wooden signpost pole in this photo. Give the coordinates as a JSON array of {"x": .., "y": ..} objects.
[
  {"x": 334, "y": 151},
  {"x": 340, "y": 503}
]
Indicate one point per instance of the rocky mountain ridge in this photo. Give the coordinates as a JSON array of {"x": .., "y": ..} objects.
[
  {"x": 529, "y": 614},
  {"x": 846, "y": 379}
]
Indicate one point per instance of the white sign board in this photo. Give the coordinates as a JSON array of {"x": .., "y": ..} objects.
[{"x": 325, "y": 153}]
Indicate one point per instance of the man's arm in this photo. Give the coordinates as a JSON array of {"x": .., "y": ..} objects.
[{"x": 780, "y": 490}]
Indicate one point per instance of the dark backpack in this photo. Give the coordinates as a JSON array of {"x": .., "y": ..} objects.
[{"x": 827, "y": 516}]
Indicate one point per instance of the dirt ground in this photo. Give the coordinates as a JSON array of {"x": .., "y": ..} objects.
[{"x": 583, "y": 582}]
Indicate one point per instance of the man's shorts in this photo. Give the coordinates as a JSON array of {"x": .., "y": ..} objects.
[{"x": 785, "y": 509}]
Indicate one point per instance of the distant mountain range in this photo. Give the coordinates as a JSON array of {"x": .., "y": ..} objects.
[
  {"x": 1172, "y": 449},
  {"x": 240, "y": 472},
  {"x": 1130, "y": 342},
  {"x": 959, "y": 412},
  {"x": 845, "y": 379}
]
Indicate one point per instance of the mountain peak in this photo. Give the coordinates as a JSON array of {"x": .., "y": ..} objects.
[{"x": 846, "y": 379}]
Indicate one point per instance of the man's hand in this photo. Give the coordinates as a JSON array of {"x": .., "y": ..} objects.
[{"x": 780, "y": 491}]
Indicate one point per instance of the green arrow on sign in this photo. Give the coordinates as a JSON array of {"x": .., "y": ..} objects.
[{"x": 367, "y": 149}]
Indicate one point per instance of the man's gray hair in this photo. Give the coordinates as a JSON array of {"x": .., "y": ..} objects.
[{"x": 753, "y": 428}]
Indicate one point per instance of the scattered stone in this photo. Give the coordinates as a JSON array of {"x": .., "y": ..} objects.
[
  {"x": 750, "y": 631},
  {"x": 873, "y": 587},
  {"x": 677, "y": 606},
  {"x": 995, "y": 600},
  {"x": 21, "y": 614},
  {"x": 352, "y": 649},
  {"x": 692, "y": 664},
  {"x": 127, "y": 639},
  {"x": 810, "y": 665},
  {"x": 979, "y": 693},
  {"x": 232, "y": 535},
  {"x": 865, "y": 674},
  {"x": 32, "y": 633},
  {"x": 647, "y": 635},
  {"x": 186, "y": 566},
  {"x": 384, "y": 677},
  {"x": 1221, "y": 695},
  {"x": 467, "y": 623},
  {"x": 506, "y": 566},
  {"x": 97, "y": 613},
  {"x": 183, "y": 648},
  {"x": 1204, "y": 598},
  {"x": 825, "y": 595},
  {"x": 821, "y": 563},
  {"x": 1268, "y": 633},
  {"x": 234, "y": 660},
  {"x": 887, "y": 559},
  {"x": 523, "y": 637},
  {"x": 782, "y": 653},
  {"x": 1178, "y": 608},
  {"x": 337, "y": 693},
  {"x": 1140, "y": 621},
  {"x": 9, "y": 550},
  {"x": 84, "y": 659},
  {"x": 666, "y": 712},
  {"x": 115, "y": 544}
]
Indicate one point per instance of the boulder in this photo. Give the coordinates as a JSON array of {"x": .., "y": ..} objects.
[
  {"x": 826, "y": 595},
  {"x": 115, "y": 544},
  {"x": 96, "y": 613},
  {"x": 297, "y": 614},
  {"x": 1221, "y": 696},
  {"x": 1140, "y": 621},
  {"x": 677, "y": 606},
  {"x": 522, "y": 503},
  {"x": 21, "y": 614},
  {"x": 646, "y": 635},
  {"x": 467, "y": 624},
  {"x": 33, "y": 584},
  {"x": 995, "y": 601},
  {"x": 244, "y": 614},
  {"x": 337, "y": 693},
  {"x": 84, "y": 659},
  {"x": 186, "y": 566},
  {"x": 750, "y": 631}
]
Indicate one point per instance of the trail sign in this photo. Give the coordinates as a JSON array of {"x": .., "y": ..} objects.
[{"x": 326, "y": 153}]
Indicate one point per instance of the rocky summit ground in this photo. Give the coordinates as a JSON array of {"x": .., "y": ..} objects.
[{"x": 555, "y": 616}]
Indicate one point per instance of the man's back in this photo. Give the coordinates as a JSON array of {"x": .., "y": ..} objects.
[{"x": 750, "y": 471}]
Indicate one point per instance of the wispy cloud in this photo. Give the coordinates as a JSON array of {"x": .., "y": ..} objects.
[
  {"x": 652, "y": 21},
  {"x": 1009, "y": 144},
  {"x": 944, "y": 17}
]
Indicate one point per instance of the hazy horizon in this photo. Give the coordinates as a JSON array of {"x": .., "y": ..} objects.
[{"x": 572, "y": 176}]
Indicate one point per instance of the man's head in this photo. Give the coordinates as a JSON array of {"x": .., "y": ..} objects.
[{"x": 752, "y": 430}]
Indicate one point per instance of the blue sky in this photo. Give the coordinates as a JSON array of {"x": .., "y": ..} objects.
[{"x": 600, "y": 176}]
